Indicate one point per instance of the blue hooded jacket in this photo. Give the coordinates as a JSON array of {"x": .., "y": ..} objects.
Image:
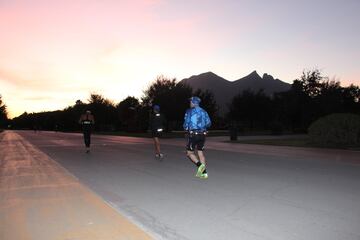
[{"x": 196, "y": 119}]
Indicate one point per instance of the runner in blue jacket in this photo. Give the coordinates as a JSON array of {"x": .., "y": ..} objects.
[{"x": 196, "y": 123}]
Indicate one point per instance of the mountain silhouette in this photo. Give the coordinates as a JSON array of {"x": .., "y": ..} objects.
[{"x": 225, "y": 90}]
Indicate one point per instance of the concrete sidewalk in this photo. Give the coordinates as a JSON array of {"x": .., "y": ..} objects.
[{"x": 40, "y": 200}]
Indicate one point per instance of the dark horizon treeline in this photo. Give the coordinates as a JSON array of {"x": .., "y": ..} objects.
[
  {"x": 3, "y": 114},
  {"x": 310, "y": 97},
  {"x": 131, "y": 114}
]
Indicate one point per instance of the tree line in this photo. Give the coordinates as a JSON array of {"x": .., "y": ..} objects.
[
  {"x": 310, "y": 97},
  {"x": 131, "y": 114},
  {"x": 3, "y": 114}
]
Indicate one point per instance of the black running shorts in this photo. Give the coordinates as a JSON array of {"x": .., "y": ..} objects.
[
  {"x": 156, "y": 133},
  {"x": 195, "y": 141}
]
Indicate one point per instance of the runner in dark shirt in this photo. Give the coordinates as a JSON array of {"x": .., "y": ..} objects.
[
  {"x": 87, "y": 121},
  {"x": 156, "y": 128}
]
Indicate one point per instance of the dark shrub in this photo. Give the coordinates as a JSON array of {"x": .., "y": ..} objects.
[
  {"x": 340, "y": 129},
  {"x": 276, "y": 128}
]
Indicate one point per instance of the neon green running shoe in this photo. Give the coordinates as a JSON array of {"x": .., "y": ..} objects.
[
  {"x": 200, "y": 170},
  {"x": 204, "y": 176}
]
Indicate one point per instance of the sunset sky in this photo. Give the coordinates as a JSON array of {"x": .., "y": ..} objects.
[{"x": 55, "y": 52}]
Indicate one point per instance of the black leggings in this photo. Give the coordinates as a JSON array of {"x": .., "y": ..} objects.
[{"x": 87, "y": 133}]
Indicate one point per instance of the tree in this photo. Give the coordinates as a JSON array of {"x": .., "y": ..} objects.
[
  {"x": 297, "y": 109},
  {"x": 79, "y": 102},
  {"x": 3, "y": 113},
  {"x": 252, "y": 109},
  {"x": 208, "y": 102},
  {"x": 98, "y": 99},
  {"x": 172, "y": 97},
  {"x": 127, "y": 111},
  {"x": 302, "y": 101},
  {"x": 351, "y": 99},
  {"x": 330, "y": 98},
  {"x": 312, "y": 97},
  {"x": 311, "y": 82},
  {"x": 104, "y": 112}
]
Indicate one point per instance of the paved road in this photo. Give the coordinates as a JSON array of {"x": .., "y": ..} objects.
[
  {"x": 40, "y": 200},
  {"x": 253, "y": 192}
]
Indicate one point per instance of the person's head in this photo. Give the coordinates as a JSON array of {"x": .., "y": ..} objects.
[
  {"x": 194, "y": 101},
  {"x": 156, "y": 108}
]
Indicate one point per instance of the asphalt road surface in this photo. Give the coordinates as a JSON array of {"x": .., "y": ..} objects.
[
  {"x": 253, "y": 192},
  {"x": 40, "y": 200}
]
